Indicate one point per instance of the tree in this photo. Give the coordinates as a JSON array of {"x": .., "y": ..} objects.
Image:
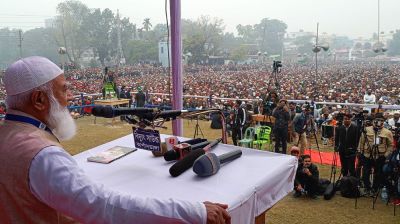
[
  {"x": 394, "y": 44},
  {"x": 341, "y": 42},
  {"x": 40, "y": 41},
  {"x": 146, "y": 24},
  {"x": 239, "y": 53},
  {"x": 8, "y": 46},
  {"x": 202, "y": 37},
  {"x": 247, "y": 33},
  {"x": 141, "y": 50},
  {"x": 358, "y": 46},
  {"x": 72, "y": 28},
  {"x": 367, "y": 46},
  {"x": 270, "y": 33},
  {"x": 100, "y": 25},
  {"x": 304, "y": 44}
]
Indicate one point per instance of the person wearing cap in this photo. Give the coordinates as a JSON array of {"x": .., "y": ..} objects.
[
  {"x": 395, "y": 120},
  {"x": 41, "y": 183},
  {"x": 300, "y": 122},
  {"x": 375, "y": 145},
  {"x": 369, "y": 98}
]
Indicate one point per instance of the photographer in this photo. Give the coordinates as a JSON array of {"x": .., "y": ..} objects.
[
  {"x": 346, "y": 145},
  {"x": 282, "y": 117},
  {"x": 270, "y": 103},
  {"x": 307, "y": 178},
  {"x": 376, "y": 143},
  {"x": 300, "y": 122}
]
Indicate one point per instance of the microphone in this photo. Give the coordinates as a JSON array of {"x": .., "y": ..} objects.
[
  {"x": 180, "y": 152},
  {"x": 110, "y": 112},
  {"x": 209, "y": 164},
  {"x": 168, "y": 114},
  {"x": 182, "y": 165}
]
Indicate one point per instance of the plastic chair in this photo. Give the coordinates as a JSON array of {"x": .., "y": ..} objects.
[
  {"x": 248, "y": 139},
  {"x": 263, "y": 137}
]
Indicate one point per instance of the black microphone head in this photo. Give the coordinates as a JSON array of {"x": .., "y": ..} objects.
[
  {"x": 182, "y": 165},
  {"x": 206, "y": 165},
  {"x": 102, "y": 111},
  {"x": 171, "y": 155}
]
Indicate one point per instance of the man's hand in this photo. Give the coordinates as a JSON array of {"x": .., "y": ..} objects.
[
  {"x": 216, "y": 213},
  {"x": 285, "y": 108},
  {"x": 307, "y": 171},
  {"x": 299, "y": 187}
]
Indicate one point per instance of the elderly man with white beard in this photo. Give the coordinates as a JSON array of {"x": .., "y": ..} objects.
[{"x": 41, "y": 183}]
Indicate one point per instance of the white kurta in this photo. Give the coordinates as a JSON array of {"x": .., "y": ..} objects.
[{"x": 71, "y": 192}]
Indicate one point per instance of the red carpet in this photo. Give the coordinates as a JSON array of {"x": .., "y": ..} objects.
[{"x": 327, "y": 157}]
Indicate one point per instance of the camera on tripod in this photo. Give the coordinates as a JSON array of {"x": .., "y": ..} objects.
[
  {"x": 268, "y": 107},
  {"x": 277, "y": 65}
]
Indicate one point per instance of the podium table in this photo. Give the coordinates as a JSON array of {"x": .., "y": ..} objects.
[
  {"x": 262, "y": 118},
  {"x": 250, "y": 185},
  {"x": 111, "y": 102}
]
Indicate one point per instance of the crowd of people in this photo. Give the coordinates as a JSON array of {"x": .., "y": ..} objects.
[{"x": 339, "y": 82}]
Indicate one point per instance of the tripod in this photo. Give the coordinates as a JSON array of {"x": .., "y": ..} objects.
[
  {"x": 332, "y": 178},
  {"x": 368, "y": 163},
  {"x": 197, "y": 130},
  {"x": 312, "y": 131}
]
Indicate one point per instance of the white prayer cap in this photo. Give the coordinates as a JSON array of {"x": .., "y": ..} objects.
[{"x": 29, "y": 73}]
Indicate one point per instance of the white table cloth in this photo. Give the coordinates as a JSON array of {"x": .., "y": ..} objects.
[{"x": 250, "y": 185}]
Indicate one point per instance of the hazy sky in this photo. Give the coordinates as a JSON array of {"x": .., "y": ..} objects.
[{"x": 354, "y": 18}]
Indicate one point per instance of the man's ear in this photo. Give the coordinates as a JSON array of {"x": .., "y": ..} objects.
[{"x": 39, "y": 100}]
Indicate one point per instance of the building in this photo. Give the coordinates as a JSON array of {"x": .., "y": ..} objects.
[{"x": 163, "y": 53}]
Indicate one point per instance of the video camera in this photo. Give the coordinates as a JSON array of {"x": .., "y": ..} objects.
[
  {"x": 268, "y": 107},
  {"x": 277, "y": 65}
]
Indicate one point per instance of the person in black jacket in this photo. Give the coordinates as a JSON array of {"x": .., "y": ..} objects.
[
  {"x": 282, "y": 118},
  {"x": 307, "y": 178},
  {"x": 140, "y": 98},
  {"x": 346, "y": 144},
  {"x": 238, "y": 122}
]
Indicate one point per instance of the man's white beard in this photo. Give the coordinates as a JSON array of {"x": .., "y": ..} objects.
[{"x": 60, "y": 121}]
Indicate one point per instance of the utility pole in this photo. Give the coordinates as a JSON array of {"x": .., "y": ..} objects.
[
  {"x": 120, "y": 54},
  {"x": 20, "y": 43}
]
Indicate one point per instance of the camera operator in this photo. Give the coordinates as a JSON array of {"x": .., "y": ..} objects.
[
  {"x": 270, "y": 102},
  {"x": 282, "y": 118},
  {"x": 300, "y": 122},
  {"x": 346, "y": 145},
  {"x": 376, "y": 143},
  {"x": 307, "y": 178}
]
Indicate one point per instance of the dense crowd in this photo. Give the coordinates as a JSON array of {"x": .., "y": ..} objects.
[{"x": 340, "y": 82}]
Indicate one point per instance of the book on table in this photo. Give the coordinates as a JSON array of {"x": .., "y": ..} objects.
[{"x": 111, "y": 154}]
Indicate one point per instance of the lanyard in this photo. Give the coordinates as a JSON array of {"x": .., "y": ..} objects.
[{"x": 28, "y": 120}]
